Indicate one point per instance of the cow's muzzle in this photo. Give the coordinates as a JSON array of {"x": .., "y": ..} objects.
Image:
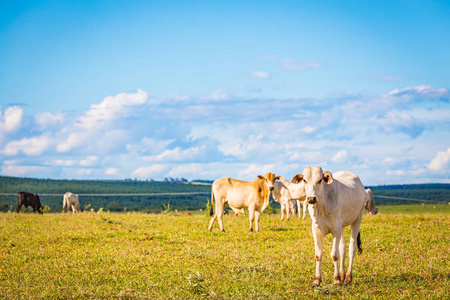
[{"x": 312, "y": 200}]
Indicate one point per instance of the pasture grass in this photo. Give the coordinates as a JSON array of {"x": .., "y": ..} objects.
[{"x": 173, "y": 256}]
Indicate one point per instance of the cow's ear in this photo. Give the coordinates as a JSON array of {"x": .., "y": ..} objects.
[
  {"x": 261, "y": 177},
  {"x": 278, "y": 177},
  {"x": 297, "y": 178},
  {"x": 327, "y": 177}
]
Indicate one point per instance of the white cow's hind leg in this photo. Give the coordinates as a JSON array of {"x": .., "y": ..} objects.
[
  {"x": 282, "y": 210},
  {"x": 299, "y": 209},
  {"x": 342, "y": 247},
  {"x": 318, "y": 253},
  {"x": 352, "y": 249},
  {"x": 335, "y": 256},
  {"x": 288, "y": 209}
]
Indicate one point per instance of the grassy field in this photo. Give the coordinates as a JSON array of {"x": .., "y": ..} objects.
[{"x": 145, "y": 256}]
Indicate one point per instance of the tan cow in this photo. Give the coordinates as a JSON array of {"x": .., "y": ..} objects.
[
  {"x": 253, "y": 195},
  {"x": 71, "y": 200},
  {"x": 370, "y": 203},
  {"x": 285, "y": 192},
  {"x": 334, "y": 202}
]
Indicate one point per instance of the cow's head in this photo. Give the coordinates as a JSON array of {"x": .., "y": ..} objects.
[
  {"x": 270, "y": 180},
  {"x": 313, "y": 178}
]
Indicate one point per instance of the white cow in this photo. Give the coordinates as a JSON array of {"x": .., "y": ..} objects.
[
  {"x": 71, "y": 200},
  {"x": 370, "y": 203},
  {"x": 253, "y": 195},
  {"x": 284, "y": 192},
  {"x": 335, "y": 201}
]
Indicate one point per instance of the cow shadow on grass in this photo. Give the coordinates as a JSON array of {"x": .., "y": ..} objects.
[{"x": 280, "y": 229}]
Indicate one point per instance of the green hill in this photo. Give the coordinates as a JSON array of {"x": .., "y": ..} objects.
[{"x": 14, "y": 185}]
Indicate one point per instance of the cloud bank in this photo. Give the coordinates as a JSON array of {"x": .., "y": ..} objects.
[{"x": 130, "y": 135}]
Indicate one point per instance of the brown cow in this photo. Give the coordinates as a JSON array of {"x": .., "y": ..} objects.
[
  {"x": 253, "y": 195},
  {"x": 28, "y": 199}
]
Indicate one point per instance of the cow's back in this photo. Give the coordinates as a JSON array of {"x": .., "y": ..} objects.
[{"x": 350, "y": 194}]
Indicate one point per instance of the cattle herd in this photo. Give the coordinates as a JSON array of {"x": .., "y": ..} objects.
[{"x": 334, "y": 201}]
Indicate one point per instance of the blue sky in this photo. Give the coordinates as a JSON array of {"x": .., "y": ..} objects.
[{"x": 202, "y": 89}]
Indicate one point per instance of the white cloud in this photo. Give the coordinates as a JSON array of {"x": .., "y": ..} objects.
[
  {"x": 148, "y": 145},
  {"x": 25, "y": 171},
  {"x": 441, "y": 162},
  {"x": 154, "y": 171},
  {"x": 241, "y": 148},
  {"x": 176, "y": 154},
  {"x": 28, "y": 146},
  {"x": 84, "y": 172},
  {"x": 111, "y": 108},
  {"x": 400, "y": 121},
  {"x": 45, "y": 120},
  {"x": 289, "y": 64},
  {"x": 340, "y": 157},
  {"x": 217, "y": 95},
  {"x": 253, "y": 170},
  {"x": 74, "y": 140},
  {"x": 61, "y": 162},
  {"x": 261, "y": 75},
  {"x": 112, "y": 171},
  {"x": 89, "y": 161},
  {"x": 422, "y": 91},
  {"x": 10, "y": 120}
]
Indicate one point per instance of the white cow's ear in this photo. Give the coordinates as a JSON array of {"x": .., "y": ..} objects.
[
  {"x": 327, "y": 177},
  {"x": 297, "y": 178},
  {"x": 261, "y": 177},
  {"x": 278, "y": 177}
]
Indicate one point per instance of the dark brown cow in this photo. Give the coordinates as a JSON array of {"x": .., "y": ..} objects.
[{"x": 27, "y": 199}]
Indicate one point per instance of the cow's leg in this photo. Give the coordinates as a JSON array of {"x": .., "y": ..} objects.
[
  {"x": 342, "y": 247},
  {"x": 282, "y": 211},
  {"x": 299, "y": 209},
  {"x": 335, "y": 255},
  {"x": 251, "y": 216},
  {"x": 18, "y": 207},
  {"x": 352, "y": 249},
  {"x": 217, "y": 208},
  {"x": 288, "y": 209},
  {"x": 257, "y": 218},
  {"x": 219, "y": 218},
  {"x": 305, "y": 206},
  {"x": 318, "y": 253}
]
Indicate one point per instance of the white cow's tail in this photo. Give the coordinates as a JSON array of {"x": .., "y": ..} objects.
[
  {"x": 358, "y": 243},
  {"x": 211, "y": 209}
]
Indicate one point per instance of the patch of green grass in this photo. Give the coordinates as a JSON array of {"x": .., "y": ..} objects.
[{"x": 142, "y": 256}]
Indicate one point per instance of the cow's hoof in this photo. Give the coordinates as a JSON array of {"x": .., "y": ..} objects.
[
  {"x": 337, "y": 280},
  {"x": 316, "y": 282},
  {"x": 348, "y": 279}
]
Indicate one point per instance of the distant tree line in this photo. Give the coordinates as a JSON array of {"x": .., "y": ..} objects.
[{"x": 155, "y": 204}]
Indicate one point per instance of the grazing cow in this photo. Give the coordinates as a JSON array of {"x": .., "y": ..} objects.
[
  {"x": 335, "y": 201},
  {"x": 284, "y": 192},
  {"x": 370, "y": 203},
  {"x": 28, "y": 199},
  {"x": 71, "y": 200},
  {"x": 253, "y": 195}
]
